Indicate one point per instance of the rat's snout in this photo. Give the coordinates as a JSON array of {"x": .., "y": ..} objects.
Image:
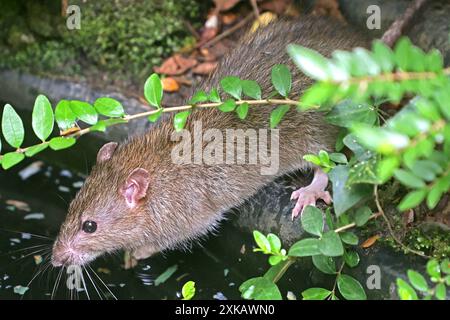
[{"x": 64, "y": 254}]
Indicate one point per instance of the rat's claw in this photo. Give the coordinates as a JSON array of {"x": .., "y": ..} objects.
[{"x": 308, "y": 197}]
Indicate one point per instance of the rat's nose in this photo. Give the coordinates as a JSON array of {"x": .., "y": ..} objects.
[{"x": 60, "y": 256}]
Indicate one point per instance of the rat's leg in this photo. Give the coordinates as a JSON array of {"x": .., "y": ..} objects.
[{"x": 310, "y": 194}]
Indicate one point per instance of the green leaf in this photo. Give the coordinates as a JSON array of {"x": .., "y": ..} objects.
[
  {"x": 163, "y": 277},
  {"x": 153, "y": 90},
  {"x": 155, "y": 116},
  {"x": 10, "y": 159},
  {"x": 277, "y": 115},
  {"x": 317, "y": 95},
  {"x": 198, "y": 97},
  {"x": 60, "y": 143},
  {"x": 386, "y": 168},
  {"x": 346, "y": 113},
  {"x": 441, "y": 292},
  {"x": 251, "y": 89},
  {"x": 338, "y": 158},
  {"x": 316, "y": 294},
  {"x": 378, "y": 139},
  {"x": 351, "y": 258},
  {"x": 42, "y": 117},
  {"x": 32, "y": 151},
  {"x": 65, "y": 118},
  {"x": 305, "y": 248},
  {"x": 260, "y": 288},
  {"x": 417, "y": 280},
  {"x": 262, "y": 242},
  {"x": 331, "y": 245},
  {"x": 362, "y": 57},
  {"x": 275, "y": 242},
  {"x": 349, "y": 238},
  {"x": 313, "y": 159},
  {"x": 109, "y": 107},
  {"x": 402, "y": 53},
  {"x": 242, "y": 110},
  {"x": 281, "y": 79},
  {"x": 363, "y": 171},
  {"x": 214, "y": 96},
  {"x": 324, "y": 264},
  {"x": 383, "y": 55},
  {"x": 232, "y": 85},
  {"x": 228, "y": 106},
  {"x": 274, "y": 260},
  {"x": 329, "y": 219},
  {"x": 12, "y": 127},
  {"x": 312, "y": 63},
  {"x": 412, "y": 199},
  {"x": 350, "y": 288},
  {"x": 179, "y": 120},
  {"x": 84, "y": 111},
  {"x": 405, "y": 291},
  {"x": 445, "y": 266},
  {"x": 188, "y": 290},
  {"x": 426, "y": 169},
  {"x": 362, "y": 215},
  {"x": 434, "y": 61},
  {"x": 433, "y": 268},
  {"x": 312, "y": 220},
  {"x": 345, "y": 197}
]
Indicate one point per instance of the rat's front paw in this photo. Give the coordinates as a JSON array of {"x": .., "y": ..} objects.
[{"x": 308, "y": 196}]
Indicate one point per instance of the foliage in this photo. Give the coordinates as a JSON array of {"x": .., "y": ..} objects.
[
  {"x": 188, "y": 290},
  {"x": 330, "y": 252},
  {"x": 439, "y": 274}
]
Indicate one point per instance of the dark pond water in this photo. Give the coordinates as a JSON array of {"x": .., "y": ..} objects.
[{"x": 33, "y": 201}]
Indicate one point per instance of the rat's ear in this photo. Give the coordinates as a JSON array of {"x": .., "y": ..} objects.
[
  {"x": 136, "y": 186},
  {"x": 106, "y": 152}
]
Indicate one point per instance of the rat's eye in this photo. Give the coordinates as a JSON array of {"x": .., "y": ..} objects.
[{"x": 89, "y": 226}]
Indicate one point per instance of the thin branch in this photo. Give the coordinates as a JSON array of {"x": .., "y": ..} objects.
[
  {"x": 352, "y": 225},
  {"x": 228, "y": 32},
  {"x": 396, "y": 29},
  {"x": 255, "y": 8},
  {"x": 391, "y": 231}
]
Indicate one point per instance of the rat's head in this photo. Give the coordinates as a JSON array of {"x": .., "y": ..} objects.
[{"x": 107, "y": 214}]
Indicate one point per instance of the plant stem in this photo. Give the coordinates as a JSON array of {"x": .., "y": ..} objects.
[
  {"x": 391, "y": 231},
  {"x": 283, "y": 270},
  {"x": 353, "y": 224},
  {"x": 128, "y": 118}
]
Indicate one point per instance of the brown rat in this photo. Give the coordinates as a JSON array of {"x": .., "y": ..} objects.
[{"x": 136, "y": 198}]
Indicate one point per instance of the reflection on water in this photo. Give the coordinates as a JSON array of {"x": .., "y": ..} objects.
[{"x": 33, "y": 200}]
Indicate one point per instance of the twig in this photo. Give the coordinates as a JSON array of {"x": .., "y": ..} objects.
[
  {"x": 283, "y": 270},
  {"x": 228, "y": 32},
  {"x": 396, "y": 28},
  {"x": 352, "y": 225},
  {"x": 391, "y": 231},
  {"x": 255, "y": 8}
]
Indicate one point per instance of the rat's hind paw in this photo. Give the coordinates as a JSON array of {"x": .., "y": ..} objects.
[{"x": 307, "y": 197}]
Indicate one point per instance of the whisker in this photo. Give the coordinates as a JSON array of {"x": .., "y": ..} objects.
[
  {"x": 93, "y": 284},
  {"x": 31, "y": 234},
  {"x": 29, "y": 254},
  {"x": 84, "y": 284},
  {"x": 103, "y": 282},
  {"x": 55, "y": 287}
]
